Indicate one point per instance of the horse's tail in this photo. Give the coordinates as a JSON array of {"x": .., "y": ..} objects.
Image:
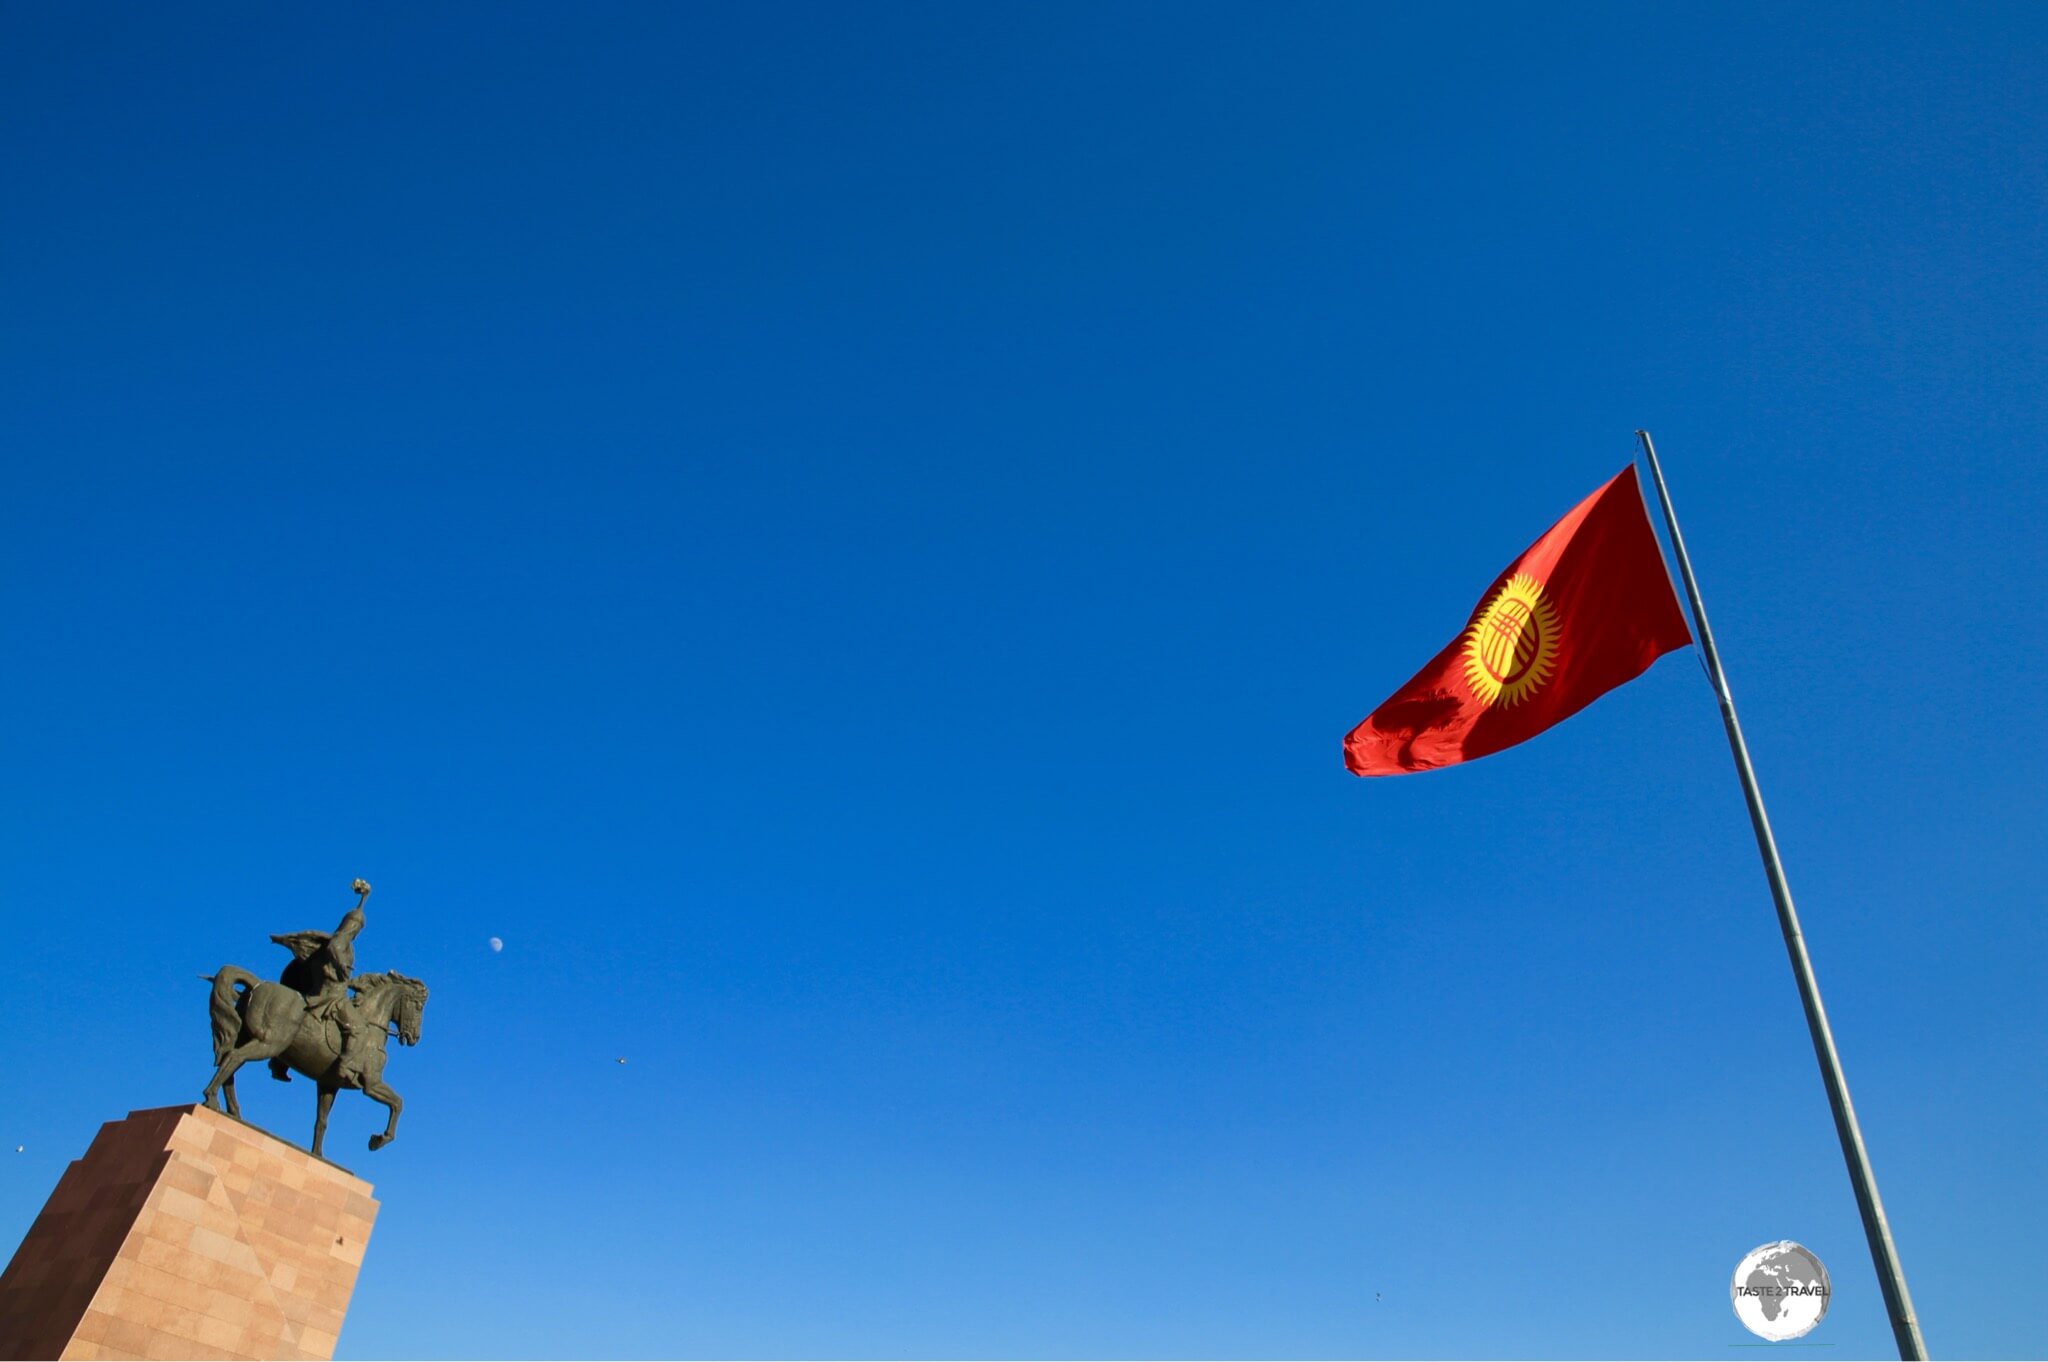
[{"x": 226, "y": 1006}]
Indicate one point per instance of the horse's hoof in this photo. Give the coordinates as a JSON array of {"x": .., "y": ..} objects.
[{"x": 377, "y": 1142}]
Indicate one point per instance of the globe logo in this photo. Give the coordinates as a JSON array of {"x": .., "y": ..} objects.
[
  {"x": 1779, "y": 1291},
  {"x": 1511, "y": 646}
]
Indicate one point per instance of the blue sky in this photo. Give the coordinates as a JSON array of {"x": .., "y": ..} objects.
[{"x": 850, "y": 536}]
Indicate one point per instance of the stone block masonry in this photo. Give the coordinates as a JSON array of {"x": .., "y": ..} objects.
[{"x": 184, "y": 1233}]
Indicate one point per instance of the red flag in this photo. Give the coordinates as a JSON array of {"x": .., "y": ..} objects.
[{"x": 1585, "y": 608}]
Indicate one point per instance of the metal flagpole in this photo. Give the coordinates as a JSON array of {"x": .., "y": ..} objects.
[{"x": 1890, "y": 1277}]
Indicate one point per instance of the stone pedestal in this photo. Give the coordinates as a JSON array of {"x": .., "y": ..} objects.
[{"x": 184, "y": 1233}]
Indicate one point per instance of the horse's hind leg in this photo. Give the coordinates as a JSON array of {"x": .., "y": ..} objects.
[
  {"x": 376, "y": 1090},
  {"x": 237, "y": 1057},
  {"x": 227, "y": 1090}
]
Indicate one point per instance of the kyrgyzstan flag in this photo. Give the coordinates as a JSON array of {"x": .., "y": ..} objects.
[{"x": 1585, "y": 608}]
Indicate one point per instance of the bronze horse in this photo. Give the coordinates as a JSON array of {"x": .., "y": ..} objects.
[{"x": 256, "y": 1019}]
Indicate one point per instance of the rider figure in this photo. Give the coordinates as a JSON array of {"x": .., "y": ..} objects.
[{"x": 320, "y": 970}]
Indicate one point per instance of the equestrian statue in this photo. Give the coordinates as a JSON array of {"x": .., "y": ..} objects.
[{"x": 309, "y": 1021}]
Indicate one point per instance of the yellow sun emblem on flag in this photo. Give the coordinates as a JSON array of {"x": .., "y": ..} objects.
[{"x": 1511, "y": 647}]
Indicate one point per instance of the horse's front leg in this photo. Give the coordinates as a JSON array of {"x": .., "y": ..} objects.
[
  {"x": 376, "y": 1089},
  {"x": 323, "y": 1101}
]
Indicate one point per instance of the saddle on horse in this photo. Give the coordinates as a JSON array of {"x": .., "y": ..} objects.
[{"x": 319, "y": 971}]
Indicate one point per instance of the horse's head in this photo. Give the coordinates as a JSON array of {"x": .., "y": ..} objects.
[
  {"x": 411, "y": 1002},
  {"x": 392, "y": 997}
]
